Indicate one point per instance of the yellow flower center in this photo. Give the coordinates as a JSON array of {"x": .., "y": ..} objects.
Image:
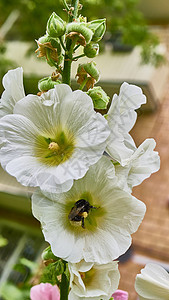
[{"x": 55, "y": 147}]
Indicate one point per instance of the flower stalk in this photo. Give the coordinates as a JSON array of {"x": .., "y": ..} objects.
[
  {"x": 66, "y": 76},
  {"x": 64, "y": 286}
]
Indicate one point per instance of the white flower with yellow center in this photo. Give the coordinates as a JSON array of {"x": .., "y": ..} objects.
[
  {"x": 92, "y": 281},
  {"x": 52, "y": 139},
  {"x": 142, "y": 163},
  {"x": 152, "y": 283},
  {"x": 92, "y": 221},
  {"x": 14, "y": 91},
  {"x": 121, "y": 118}
]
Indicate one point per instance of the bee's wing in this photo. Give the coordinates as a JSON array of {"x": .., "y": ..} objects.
[{"x": 74, "y": 212}]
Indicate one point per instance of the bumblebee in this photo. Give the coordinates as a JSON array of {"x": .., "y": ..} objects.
[{"x": 80, "y": 211}]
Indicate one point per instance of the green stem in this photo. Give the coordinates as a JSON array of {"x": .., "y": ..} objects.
[
  {"x": 65, "y": 5},
  {"x": 75, "y": 4},
  {"x": 64, "y": 287},
  {"x": 83, "y": 84},
  {"x": 61, "y": 41},
  {"x": 76, "y": 48},
  {"x": 66, "y": 76},
  {"x": 79, "y": 56}
]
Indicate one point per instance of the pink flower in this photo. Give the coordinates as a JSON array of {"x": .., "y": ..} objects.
[
  {"x": 45, "y": 291},
  {"x": 120, "y": 295}
]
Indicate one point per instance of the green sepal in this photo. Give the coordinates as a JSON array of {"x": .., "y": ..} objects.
[
  {"x": 56, "y": 27},
  {"x": 99, "y": 28},
  {"x": 91, "y": 49},
  {"x": 47, "y": 83},
  {"x": 99, "y": 97},
  {"x": 48, "y": 254},
  {"x": 80, "y": 28},
  {"x": 54, "y": 42},
  {"x": 91, "y": 69}
]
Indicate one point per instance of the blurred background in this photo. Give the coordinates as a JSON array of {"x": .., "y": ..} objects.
[{"x": 135, "y": 49}]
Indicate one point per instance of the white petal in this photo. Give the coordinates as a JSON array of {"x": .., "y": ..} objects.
[
  {"x": 121, "y": 118},
  {"x": 139, "y": 166},
  {"x": 57, "y": 94},
  {"x": 102, "y": 280},
  {"x": 44, "y": 117},
  {"x": 76, "y": 109},
  {"x": 14, "y": 91},
  {"x": 153, "y": 283}
]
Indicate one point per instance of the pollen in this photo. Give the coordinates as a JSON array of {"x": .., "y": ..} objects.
[
  {"x": 53, "y": 146},
  {"x": 85, "y": 214}
]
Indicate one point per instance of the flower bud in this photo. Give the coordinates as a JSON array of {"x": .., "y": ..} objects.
[
  {"x": 50, "y": 48},
  {"x": 91, "y": 49},
  {"x": 99, "y": 28},
  {"x": 91, "y": 69},
  {"x": 89, "y": 73},
  {"x": 56, "y": 27},
  {"x": 47, "y": 83},
  {"x": 48, "y": 254},
  {"x": 99, "y": 97},
  {"x": 80, "y": 30}
]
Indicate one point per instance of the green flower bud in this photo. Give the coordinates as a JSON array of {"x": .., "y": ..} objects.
[
  {"x": 55, "y": 43},
  {"x": 79, "y": 29},
  {"x": 50, "y": 48},
  {"x": 59, "y": 267},
  {"x": 91, "y": 69},
  {"x": 47, "y": 83},
  {"x": 91, "y": 49},
  {"x": 56, "y": 27},
  {"x": 99, "y": 97},
  {"x": 48, "y": 254},
  {"x": 99, "y": 28}
]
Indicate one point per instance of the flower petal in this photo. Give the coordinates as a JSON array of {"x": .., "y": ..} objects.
[
  {"x": 139, "y": 166},
  {"x": 14, "y": 91},
  {"x": 121, "y": 118},
  {"x": 153, "y": 283}
]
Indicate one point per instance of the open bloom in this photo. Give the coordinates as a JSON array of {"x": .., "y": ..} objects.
[
  {"x": 92, "y": 281},
  {"x": 120, "y": 295},
  {"x": 52, "y": 139},
  {"x": 152, "y": 283},
  {"x": 14, "y": 91},
  {"x": 44, "y": 291},
  {"x": 142, "y": 163},
  {"x": 93, "y": 221},
  {"x": 121, "y": 118}
]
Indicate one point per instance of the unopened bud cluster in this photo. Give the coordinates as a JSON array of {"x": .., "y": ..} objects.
[{"x": 54, "y": 46}]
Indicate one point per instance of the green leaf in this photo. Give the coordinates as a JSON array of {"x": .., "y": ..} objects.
[
  {"x": 8, "y": 291},
  {"x": 3, "y": 241}
]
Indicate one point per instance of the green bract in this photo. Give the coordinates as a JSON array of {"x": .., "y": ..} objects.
[
  {"x": 99, "y": 28},
  {"x": 53, "y": 41},
  {"x": 99, "y": 97},
  {"x": 80, "y": 28},
  {"x": 91, "y": 49},
  {"x": 48, "y": 254},
  {"x": 55, "y": 26},
  {"x": 47, "y": 83},
  {"x": 91, "y": 69}
]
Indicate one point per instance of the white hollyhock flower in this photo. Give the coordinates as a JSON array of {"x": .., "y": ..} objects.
[
  {"x": 92, "y": 281},
  {"x": 14, "y": 91},
  {"x": 142, "y": 163},
  {"x": 52, "y": 139},
  {"x": 121, "y": 118},
  {"x": 92, "y": 221},
  {"x": 152, "y": 283}
]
